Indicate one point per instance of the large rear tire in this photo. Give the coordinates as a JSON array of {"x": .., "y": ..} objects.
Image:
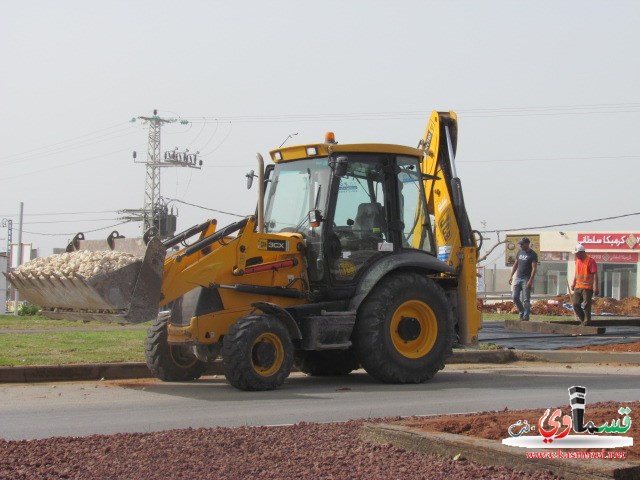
[
  {"x": 257, "y": 353},
  {"x": 404, "y": 330},
  {"x": 170, "y": 363},
  {"x": 326, "y": 363}
]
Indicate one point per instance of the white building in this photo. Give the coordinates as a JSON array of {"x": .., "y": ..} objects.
[{"x": 3, "y": 283}]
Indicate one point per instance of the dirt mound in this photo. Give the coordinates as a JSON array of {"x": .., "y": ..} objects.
[
  {"x": 500, "y": 307},
  {"x": 555, "y": 306}
]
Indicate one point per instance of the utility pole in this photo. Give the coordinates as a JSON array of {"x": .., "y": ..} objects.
[
  {"x": 16, "y": 297},
  {"x": 154, "y": 214},
  {"x": 152, "y": 182},
  {"x": 7, "y": 222}
]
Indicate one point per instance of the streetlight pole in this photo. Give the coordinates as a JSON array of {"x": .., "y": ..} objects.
[{"x": 291, "y": 135}]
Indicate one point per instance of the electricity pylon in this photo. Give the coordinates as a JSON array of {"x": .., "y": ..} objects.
[{"x": 154, "y": 212}]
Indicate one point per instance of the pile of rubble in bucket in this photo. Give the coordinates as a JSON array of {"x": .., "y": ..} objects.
[{"x": 561, "y": 305}]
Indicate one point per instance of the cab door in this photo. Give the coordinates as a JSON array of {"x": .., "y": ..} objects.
[{"x": 379, "y": 209}]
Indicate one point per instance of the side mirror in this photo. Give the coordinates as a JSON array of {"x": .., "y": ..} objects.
[
  {"x": 339, "y": 166},
  {"x": 250, "y": 176},
  {"x": 315, "y": 218}
]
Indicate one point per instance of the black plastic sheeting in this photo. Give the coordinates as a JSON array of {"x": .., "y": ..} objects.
[{"x": 494, "y": 332}]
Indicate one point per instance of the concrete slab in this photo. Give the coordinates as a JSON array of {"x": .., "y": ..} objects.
[
  {"x": 495, "y": 332},
  {"x": 547, "y": 327},
  {"x": 492, "y": 452},
  {"x": 606, "y": 322}
]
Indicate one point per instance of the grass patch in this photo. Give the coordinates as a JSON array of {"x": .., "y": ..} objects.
[
  {"x": 71, "y": 347},
  {"x": 39, "y": 322}
]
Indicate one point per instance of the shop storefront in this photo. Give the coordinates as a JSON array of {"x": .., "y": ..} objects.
[
  {"x": 616, "y": 253},
  {"x": 618, "y": 262}
]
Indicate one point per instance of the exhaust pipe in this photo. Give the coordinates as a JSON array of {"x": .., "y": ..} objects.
[{"x": 260, "y": 193}]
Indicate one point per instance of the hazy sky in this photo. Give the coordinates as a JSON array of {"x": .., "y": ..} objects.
[{"x": 546, "y": 93}]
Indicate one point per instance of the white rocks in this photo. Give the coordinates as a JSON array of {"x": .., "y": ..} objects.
[{"x": 82, "y": 263}]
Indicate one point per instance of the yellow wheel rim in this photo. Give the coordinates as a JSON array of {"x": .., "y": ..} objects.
[
  {"x": 414, "y": 329},
  {"x": 267, "y": 354}
]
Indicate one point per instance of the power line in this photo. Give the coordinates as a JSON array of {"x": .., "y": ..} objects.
[
  {"x": 73, "y": 233},
  {"x": 60, "y": 213},
  {"x": 628, "y": 107},
  {"x": 61, "y": 142},
  {"x": 398, "y": 115},
  {"x": 548, "y": 159},
  {"x": 560, "y": 224},
  {"x": 72, "y": 163},
  {"x": 103, "y": 138},
  {"x": 215, "y": 130},
  {"x": 205, "y": 208},
  {"x": 221, "y": 142},
  {"x": 73, "y": 221},
  {"x": 499, "y": 254},
  {"x": 558, "y": 107}
]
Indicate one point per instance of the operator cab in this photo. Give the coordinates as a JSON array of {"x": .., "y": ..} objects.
[{"x": 353, "y": 204}]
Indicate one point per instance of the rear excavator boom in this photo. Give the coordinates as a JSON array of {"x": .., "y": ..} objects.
[{"x": 455, "y": 241}]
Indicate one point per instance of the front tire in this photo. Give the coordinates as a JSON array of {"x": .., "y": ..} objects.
[
  {"x": 257, "y": 353},
  {"x": 170, "y": 363},
  {"x": 404, "y": 330}
]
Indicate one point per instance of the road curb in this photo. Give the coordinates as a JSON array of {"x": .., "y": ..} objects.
[
  {"x": 89, "y": 371},
  {"x": 132, "y": 370},
  {"x": 482, "y": 356},
  {"x": 492, "y": 452},
  {"x": 93, "y": 371}
]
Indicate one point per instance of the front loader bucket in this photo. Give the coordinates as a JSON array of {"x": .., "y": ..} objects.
[{"x": 130, "y": 294}]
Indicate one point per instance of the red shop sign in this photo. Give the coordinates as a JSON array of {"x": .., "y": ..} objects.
[
  {"x": 615, "y": 257},
  {"x": 610, "y": 241}
]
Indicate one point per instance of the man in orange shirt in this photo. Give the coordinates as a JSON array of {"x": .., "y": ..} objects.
[{"x": 585, "y": 284}]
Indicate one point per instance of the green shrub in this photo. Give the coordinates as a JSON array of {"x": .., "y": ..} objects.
[{"x": 28, "y": 309}]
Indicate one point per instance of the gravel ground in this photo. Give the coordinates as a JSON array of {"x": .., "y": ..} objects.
[{"x": 302, "y": 451}]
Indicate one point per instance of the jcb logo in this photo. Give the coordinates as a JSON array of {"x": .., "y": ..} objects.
[
  {"x": 277, "y": 245},
  {"x": 273, "y": 245},
  {"x": 445, "y": 226}
]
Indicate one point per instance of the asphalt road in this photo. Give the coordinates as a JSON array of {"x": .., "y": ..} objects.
[{"x": 83, "y": 408}]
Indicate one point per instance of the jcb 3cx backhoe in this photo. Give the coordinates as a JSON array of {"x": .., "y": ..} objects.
[{"x": 359, "y": 255}]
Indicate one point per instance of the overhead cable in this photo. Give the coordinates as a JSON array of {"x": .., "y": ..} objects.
[
  {"x": 539, "y": 227},
  {"x": 62, "y": 142},
  {"x": 84, "y": 231},
  {"x": 205, "y": 208}
]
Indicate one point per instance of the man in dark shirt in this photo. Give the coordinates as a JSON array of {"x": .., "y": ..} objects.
[{"x": 524, "y": 269}]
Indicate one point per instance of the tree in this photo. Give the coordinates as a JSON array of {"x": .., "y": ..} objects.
[{"x": 490, "y": 251}]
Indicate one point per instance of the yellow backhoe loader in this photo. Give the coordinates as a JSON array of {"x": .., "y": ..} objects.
[{"x": 358, "y": 255}]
